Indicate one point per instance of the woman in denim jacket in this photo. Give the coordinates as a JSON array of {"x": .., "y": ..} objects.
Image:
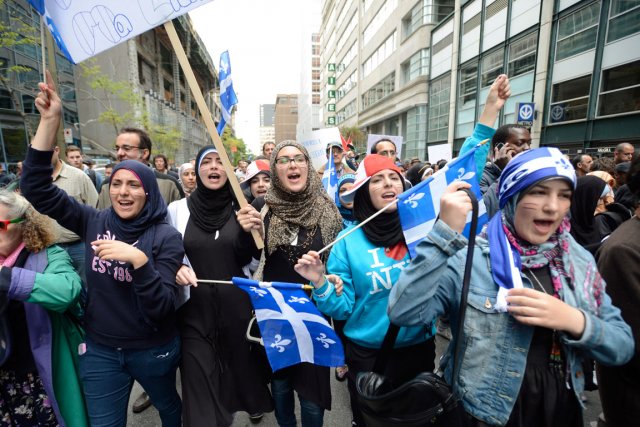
[{"x": 536, "y": 303}]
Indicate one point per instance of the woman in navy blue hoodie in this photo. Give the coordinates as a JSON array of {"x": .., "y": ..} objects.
[{"x": 132, "y": 256}]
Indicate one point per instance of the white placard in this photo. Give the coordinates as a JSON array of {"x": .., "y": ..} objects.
[
  {"x": 316, "y": 144},
  {"x": 439, "y": 152},
  {"x": 84, "y": 28}
]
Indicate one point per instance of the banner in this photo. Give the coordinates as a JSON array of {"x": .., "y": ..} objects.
[{"x": 84, "y": 28}]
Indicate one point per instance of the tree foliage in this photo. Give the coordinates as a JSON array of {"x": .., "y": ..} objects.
[
  {"x": 358, "y": 137},
  {"x": 122, "y": 106},
  {"x": 235, "y": 147}
]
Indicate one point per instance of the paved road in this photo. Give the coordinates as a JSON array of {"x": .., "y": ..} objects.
[{"x": 339, "y": 416}]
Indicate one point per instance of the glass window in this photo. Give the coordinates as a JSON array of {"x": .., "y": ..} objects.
[
  {"x": 15, "y": 141},
  {"x": 5, "y": 100},
  {"x": 425, "y": 12},
  {"x": 383, "y": 14},
  {"x": 28, "y": 76},
  {"x": 417, "y": 65},
  {"x": 492, "y": 67},
  {"x": 28, "y": 104},
  {"x": 345, "y": 87},
  {"x": 439, "y": 109},
  {"x": 624, "y": 19},
  {"x": 467, "y": 100},
  {"x": 382, "y": 89},
  {"x": 416, "y": 139},
  {"x": 348, "y": 111},
  {"x": 522, "y": 55},
  {"x": 620, "y": 90},
  {"x": 569, "y": 100},
  {"x": 577, "y": 32},
  {"x": 378, "y": 57}
]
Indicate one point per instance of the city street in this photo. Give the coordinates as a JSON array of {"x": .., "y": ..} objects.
[{"x": 340, "y": 415}]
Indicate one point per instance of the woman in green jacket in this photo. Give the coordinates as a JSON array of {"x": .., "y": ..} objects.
[{"x": 39, "y": 341}]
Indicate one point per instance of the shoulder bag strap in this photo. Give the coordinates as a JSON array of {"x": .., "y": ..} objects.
[{"x": 392, "y": 333}]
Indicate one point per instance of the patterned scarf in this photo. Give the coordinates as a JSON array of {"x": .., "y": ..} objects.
[{"x": 308, "y": 208}]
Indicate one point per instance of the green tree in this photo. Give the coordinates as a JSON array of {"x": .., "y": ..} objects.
[
  {"x": 15, "y": 35},
  {"x": 122, "y": 106},
  {"x": 235, "y": 147}
]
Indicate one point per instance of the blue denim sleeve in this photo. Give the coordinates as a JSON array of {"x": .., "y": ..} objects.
[
  {"x": 427, "y": 286},
  {"x": 480, "y": 133}
]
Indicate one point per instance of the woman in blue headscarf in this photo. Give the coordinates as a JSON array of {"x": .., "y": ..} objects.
[
  {"x": 536, "y": 307},
  {"x": 132, "y": 257}
]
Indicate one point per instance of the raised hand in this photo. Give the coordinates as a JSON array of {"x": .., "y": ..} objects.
[
  {"x": 50, "y": 107},
  {"x": 498, "y": 94},
  {"x": 455, "y": 205},
  {"x": 536, "y": 308},
  {"x": 311, "y": 268},
  {"x": 119, "y": 251}
]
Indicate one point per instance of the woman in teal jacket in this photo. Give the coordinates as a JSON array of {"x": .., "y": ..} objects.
[
  {"x": 536, "y": 306},
  {"x": 369, "y": 262},
  {"x": 39, "y": 384}
]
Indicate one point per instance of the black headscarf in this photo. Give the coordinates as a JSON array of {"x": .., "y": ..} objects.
[
  {"x": 385, "y": 229},
  {"x": 583, "y": 205},
  {"x": 210, "y": 209},
  {"x": 154, "y": 210}
]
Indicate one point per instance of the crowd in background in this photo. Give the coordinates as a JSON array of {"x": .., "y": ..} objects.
[{"x": 101, "y": 278}]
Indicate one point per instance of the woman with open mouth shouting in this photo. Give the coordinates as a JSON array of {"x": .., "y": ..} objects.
[
  {"x": 298, "y": 217},
  {"x": 221, "y": 371},
  {"x": 132, "y": 257}
]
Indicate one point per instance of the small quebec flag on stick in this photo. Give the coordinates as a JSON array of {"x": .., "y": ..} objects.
[
  {"x": 292, "y": 328},
  {"x": 419, "y": 206}
]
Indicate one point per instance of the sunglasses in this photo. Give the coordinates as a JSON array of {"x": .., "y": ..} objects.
[{"x": 4, "y": 223}]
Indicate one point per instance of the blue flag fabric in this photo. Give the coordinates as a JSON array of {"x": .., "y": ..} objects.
[
  {"x": 330, "y": 179},
  {"x": 292, "y": 328},
  {"x": 85, "y": 28},
  {"x": 419, "y": 206},
  {"x": 227, "y": 95}
]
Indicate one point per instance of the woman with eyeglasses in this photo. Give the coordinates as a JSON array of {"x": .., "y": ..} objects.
[
  {"x": 298, "y": 217},
  {"x": 221, "y": 371},
  {"x": 39, "y": 382},
  {"x": 132, "y": 257}
]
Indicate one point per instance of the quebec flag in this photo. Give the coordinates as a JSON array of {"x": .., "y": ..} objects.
[
  {"x": 330, "y": 179},
  {"x": 419, "y": 206},
  {"x": 228, "y": 96},
  {"x": 292, "y": 328}
]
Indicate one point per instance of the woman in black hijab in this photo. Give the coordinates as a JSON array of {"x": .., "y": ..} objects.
[{"x": 221, "y": 371}]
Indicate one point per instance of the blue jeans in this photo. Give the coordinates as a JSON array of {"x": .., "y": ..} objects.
[
  {"x": 107, "y": 375},
  {"x": 282, "y": 391}
]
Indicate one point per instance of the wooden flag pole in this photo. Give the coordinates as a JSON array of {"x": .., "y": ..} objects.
[{"x": 208, "y": 121}]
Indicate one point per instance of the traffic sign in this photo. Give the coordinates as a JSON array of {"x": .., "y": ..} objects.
[
  {"x": 525, "y": 112},
  {"x": 68, "y": 136}
]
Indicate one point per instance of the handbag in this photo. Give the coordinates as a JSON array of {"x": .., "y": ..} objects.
[{"x": 425, "y": 400}]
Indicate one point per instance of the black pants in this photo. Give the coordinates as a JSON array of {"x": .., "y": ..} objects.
[{"x": 404, "y": 364}]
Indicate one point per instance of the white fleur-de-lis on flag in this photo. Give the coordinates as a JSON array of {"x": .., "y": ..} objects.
[
  {"x": 298, "y": 299},
  {"x": 462, "y": 176},
  {"x": 326, "y": 342},
  {"x": 279, "y": 343},
  {"x": 258, "y": 291},
  {"x": 413, "y": 199}
]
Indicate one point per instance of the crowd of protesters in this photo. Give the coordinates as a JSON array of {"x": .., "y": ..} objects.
[{"x": 552, "y": 308}]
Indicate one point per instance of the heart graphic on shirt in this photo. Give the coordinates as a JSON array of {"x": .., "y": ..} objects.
[{"x": 396, "y": 252}]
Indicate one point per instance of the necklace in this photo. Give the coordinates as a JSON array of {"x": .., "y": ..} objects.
[{"x": 535, "y": 280}]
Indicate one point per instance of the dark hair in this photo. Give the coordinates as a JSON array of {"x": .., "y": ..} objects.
[
  {"x": 633, "y": 177},
  {"x": 621, "y": 146},
  {"x": 374, "y": 150},
  {"x": 577, "y": 159},
  {"x": 268, "y": 143},
  {"x": 145, "y": 140},
  {"x": 606, "y": 164},
  {"x": 109, "y": 165},
  {"x": 503, "y": 132},
  {"x": 164, "y": 159}
]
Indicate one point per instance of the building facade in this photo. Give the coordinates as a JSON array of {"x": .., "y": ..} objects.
[
  {"x": 149, "y": 64},
  {"x": 286, "y": 117},
  {"x": 375, "y": 66},
  {"x": 422, "y": 69},
  {"x": 19, "y": 117},
  {"x": 267, "y": 123},
  {"x": 573, "y": 59},
  {"x": 309, "y": 98}
]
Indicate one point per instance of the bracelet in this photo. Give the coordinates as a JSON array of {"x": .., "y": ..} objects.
[{"x": 325, "y": 293}]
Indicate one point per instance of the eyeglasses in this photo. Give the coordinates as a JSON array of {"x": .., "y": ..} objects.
[
  {"x": 299, "y": 159},
  {"x": 126, "y": 148},
  {"x": 4, "y": 223}
]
